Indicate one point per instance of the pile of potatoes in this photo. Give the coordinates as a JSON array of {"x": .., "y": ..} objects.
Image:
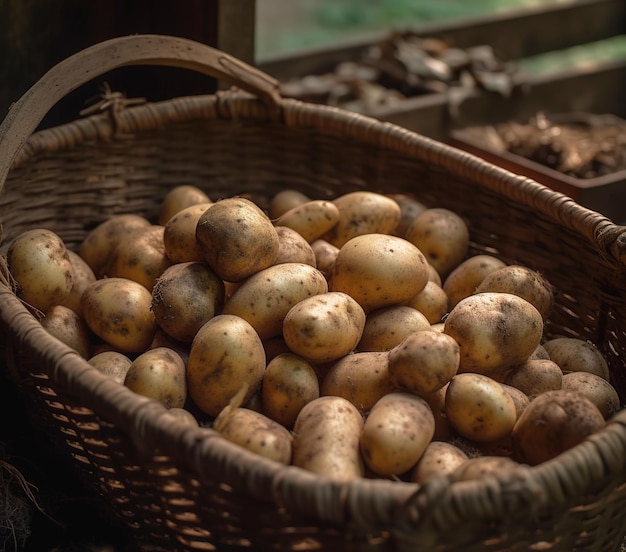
[{"x": 353, "y": 338}]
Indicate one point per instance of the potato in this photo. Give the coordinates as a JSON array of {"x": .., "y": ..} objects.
[
  {"x": 83, "y": 276},
  {"x": 467, "y": 276},
  {"x": 183, "y": 416},
  {"x": 439, "y": 459},
  {"x": 237, "y": 238},
  {"x": 325, "y": 256},
  {"x": 478, "y": 408},
  {"x": 186, "y": 296},
  {"x": 524, "y": 282},
  {"x": 225, "y": 355},
  {"x": 40, "y": 264},
  {"x": 285, "y": 200},
  {"x": 179, "y": 198},
  {"x": 424, "y": 362},
  {"x": 363, "y": 212},
  {"x": 293, "y": 248},
  {"x": 378, "y": 270},
  {"x": 433, "y": 275},
  {"x": 432, "y": 302},
  {"x": 100, "y": 242},
  {"x": 552, "y": 423},
  {"x": 396, "y": 433},
  {"x": 482, "y": 466},
  {"x": 326, "y": 439},
  {"x": 324, "y": 327},
  {"x": 112, "y": 364},
  {"x": 442, "y": 236},
  {"x": 494, "y": 330},
  {"x": 311, "y": 220},
  {"x": 410, "y": 208},
  {"x": 577, "y": 355},
  {"x": 265, "y": 298},
  {"x": 535, "y": 376},
  {"x": 163, "y": 339},
  {"x": 361, "y": 378},
  {"x": 437, "y": 402},
  {"x": 69, "y": 328},
  {"x": 254, "y": 431},
  {"x": 520, "y": 398},
  {"x": 160, "y": 375},
  {"x": 118, "y": 311},
  {"x": 599, "y": 391},
  {"x": 289, "y": 382},
  {"x": 140, "y": 257},
  {"x": 386, "y": 327},
  {"x": 179, "y": 235}
]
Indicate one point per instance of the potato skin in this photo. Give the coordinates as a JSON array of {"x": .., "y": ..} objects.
[
  {"x": 69, "y": 328},
  {"x": 535, "y": 376},
  {"x": 179, "y": 234},
  {"x": 432, "y": 302},
  {"x": 293, "y": 248},
  {"x": 439, "y": 459},
  {"x": 577, "y": 355},
  {"x": 83, "y": 276},
  {"x": 225, "y": 354},
  {"x": 326, "y": 439},
  {"x": 285, "y": 200},
  {"x": 467, "y": 276},
  {"x": 179, "y": 198},
  {"x": 599, "y": 391},
  {"x": 112, "y": 364},
  {"x": 311, "y": 220},
  {"x": 396, "y": 433},
  {"x": 386, "y": 327}
]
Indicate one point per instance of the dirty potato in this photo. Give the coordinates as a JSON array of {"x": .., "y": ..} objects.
[
  {"x": 535, "y": 376},
  {"x": 179, "y": 235},
  {"x": 577, "y": 355},
  {"x": 439, "y": 459},
  {"x": 293, "y": 248},
  {"x": 83, "y": 276},
  {"x": 112, "y": 364},
  {"x": 386, "y": 327},
  {"x": 325, "y": 256},
  {"x": 467, "y": 276},
  {"x": 179, "y": 198},
  {"x": 598, "y": 390},
  {"x": 69, "y": 328},
  {"x": 311, "y": 220},
  {"x": 283, "y": 201},
  {"x": 432, "y": 302}
]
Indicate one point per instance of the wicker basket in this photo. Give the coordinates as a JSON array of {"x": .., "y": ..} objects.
[{"x": 180, "y": 488}]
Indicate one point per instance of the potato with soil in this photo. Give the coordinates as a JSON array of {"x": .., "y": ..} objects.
[
  {"x": 237, "y": 238},
  {"x": 386, "y": 327},
  {"x": 439, "y": 459},
  {"x": 160, "y": 375},
  {"x": 479, "y": 467},
  {"x": 225, "y": 355},
  {"x": 324, "y": 327},
  {"x": 442, "y": 236},
  {"x": 311, "y": 220},
  {"x": 69, "y": 328},
  {"x": 41, "y": 266},
  {"x": 535, "y": 376},
  {"x": 396, "y": 432},
  {"x": 118, "y": 311},
  {"x": 432, "y": 302},
  {"x": 552, "y": 423},
  {"x": 410, "y": 208},
  {"x": 494, "y": 330},
  {"x": 598, "y": 390},
  {"x": 577, "y": 355},
  {"x": 379, "y": 270},
  {"x": 179, "y": 235},
  {"x": 293, "y": 248},
  {"x": 265, "y": 298},
  {"x": 289, "y": 382},
  {"x": 479, "y": 409},
  {"x": 424, "y": 362},
  {"x": 325, "y": 256},
  {"x": 112, "y": 364},
  {"x": 326, "y": 439},
  {"x": 186, "y": 296},
  {"x": 83, "y": 276},
  {"x": 178, "y": 199},
  {"x": 467, "y": 276}
]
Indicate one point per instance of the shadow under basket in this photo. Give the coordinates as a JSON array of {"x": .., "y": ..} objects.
[{"x": 183, "y": 488}]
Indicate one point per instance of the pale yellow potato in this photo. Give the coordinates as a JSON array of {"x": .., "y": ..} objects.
[
  {"x": 41, "y": 266},
  {"x": 439, "y": 459},
  {"x": 289, "y": 382},
  {"x": 326, "y": 439},
  {"x": 520, "y": 398},
  {"x": 293, "y": 248},
  {"x": 100, "y": 242},
  {"x": 467, "y": 276},
  {"x": 442, "y": 236},
  {"x": 598, "y": 390},
  {"x": 140, "y": 257},
  {"x": 163, "y": 339},
  {"x": 179, "y": 198},
  {"x": 494, "y": 330},
  {"x": 360, "y": 213},
  {"x": 552, "y": 423},
  {"x": 324, "y": 327},
  {"x": 265, "y": 298},
  {"x": 432, "y": 302},
  {"x": 179, "y": 234},
  {"x": 379, "y": 270},
  {"x": 437, "y": 402},
  {"x": 118, "y": 311},
  {"x": 183, "y": 416},
  {"x": 225, "y": 355},
  {"x": 112, "y": 364},
  {"x": 325, "y": 256},
  {"x": 237, "y": 238},
  {"x": 539, "y": 353},
  {"x": 437, "y": 327},
  {"x": 478, "y": 408},
  {"x": 311, "y": 220},
  {"x": 523, "y": 281},
  {"x": 410, "y": 208},
  {"x": 83, "y": 276},
  {"x": 535, "y": 376},
  {"x": 184, "y": 297},
  {"x": 386, "y": 327},
  {"x": 160, "y": 375},
  {"x": 479, "y": 467},
  {"x": 396, "y": 432},
  {"x": 361, "y": 378},
  {"x": 283, "y": 201},
  {"x": 433, "y": 275},
  {"x": 424, "y": 362},
  {"x": 577, "y": 355},
  {"x": 68, "y": 327}
]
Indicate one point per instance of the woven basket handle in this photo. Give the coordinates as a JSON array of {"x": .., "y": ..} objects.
[{"x": 27, "y": 113}]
